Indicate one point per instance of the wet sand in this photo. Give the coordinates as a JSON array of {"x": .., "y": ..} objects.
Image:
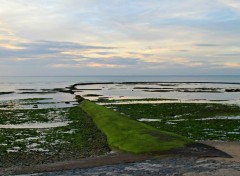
[{"x": 232, "y": 148}]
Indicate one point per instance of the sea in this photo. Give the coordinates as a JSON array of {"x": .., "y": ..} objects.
[
  {"x": 10, "y": 83},
  {"x": 19, "y": 84}
]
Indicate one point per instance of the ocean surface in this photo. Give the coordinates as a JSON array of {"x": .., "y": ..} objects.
[
  {"x": 19, "y": 82},
  {"x": 61, "y": 80},
  {"x": 21, "y": 85}
]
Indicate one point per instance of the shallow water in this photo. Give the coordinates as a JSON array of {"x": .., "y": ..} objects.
[
  {"x": 35, "y": 125},
  {"x": 221, "y": 118},
  {"x": 149, "y": 120},
  {"x": 117, "y": 90},
  {"x": 146, "y": 90}
]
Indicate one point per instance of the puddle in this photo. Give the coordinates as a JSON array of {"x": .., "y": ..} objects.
[
  {"x": 35, "y": 125},
  {"x": 149, "y": 120},
  {"x": 221, "y": 118},
  {"x": 233, "y": 132},
  {"x": 178, "y": 120}
]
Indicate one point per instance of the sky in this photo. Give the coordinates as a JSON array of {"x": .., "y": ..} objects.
[{"x": 119, "y": 37}]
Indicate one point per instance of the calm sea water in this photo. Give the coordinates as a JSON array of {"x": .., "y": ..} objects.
[
  {"x": 14, "y": 83},
  {"x": 66, "y": 80}
]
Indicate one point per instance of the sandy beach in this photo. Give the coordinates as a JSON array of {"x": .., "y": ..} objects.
[{"x": 232, "y": 148}]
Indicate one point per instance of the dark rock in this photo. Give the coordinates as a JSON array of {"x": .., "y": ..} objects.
[
  {"x": 3, "y": 93},
  {"x": 92, "y": 95},
  {"x": 35, "y": 106},
  {"x": 232, "y": 90},
  {"x": 44, "y": 92},
  {"x": 64, "y": 90},
  {"x": 79, "y": 98}
]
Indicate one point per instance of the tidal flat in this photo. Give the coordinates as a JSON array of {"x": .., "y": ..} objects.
[
  {"x": 47, "y": 125},
  {"x": 160, "y": 92}
]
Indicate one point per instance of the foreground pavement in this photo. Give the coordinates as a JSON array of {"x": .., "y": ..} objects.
[{"x": 167, "y": 167}]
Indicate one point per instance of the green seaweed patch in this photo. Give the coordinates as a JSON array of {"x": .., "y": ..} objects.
[
  {"x": 194, "y": 120},
  {"x": 19, "y": 116},
  {"x": 80, "y": 138}
]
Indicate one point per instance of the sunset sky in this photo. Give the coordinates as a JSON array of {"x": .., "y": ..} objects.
[{"x": 119, "y": 37}]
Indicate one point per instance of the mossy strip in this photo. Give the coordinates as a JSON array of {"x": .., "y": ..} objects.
[{"x": 129, "y": 135}]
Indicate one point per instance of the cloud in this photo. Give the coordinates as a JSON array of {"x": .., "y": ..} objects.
[
  {"x": 232, "y": 65},
  {"x": 128, "y": 36},
  {"x": 233, "y": 4},
  {"x": 41, "y": 48},
  {"x": 206, "y": 45},
  {"x": 91, "y": 64},
  {"x": 97, "y": 65}
]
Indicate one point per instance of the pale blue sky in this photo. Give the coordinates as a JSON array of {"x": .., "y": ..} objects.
[{"x": 119, "y": 37}]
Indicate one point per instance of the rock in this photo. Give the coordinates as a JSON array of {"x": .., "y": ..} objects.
[
  {"x": 79, "y": 98},
  {"x": 232, "y": 90},
  {"x": 3, "y": 93}
]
